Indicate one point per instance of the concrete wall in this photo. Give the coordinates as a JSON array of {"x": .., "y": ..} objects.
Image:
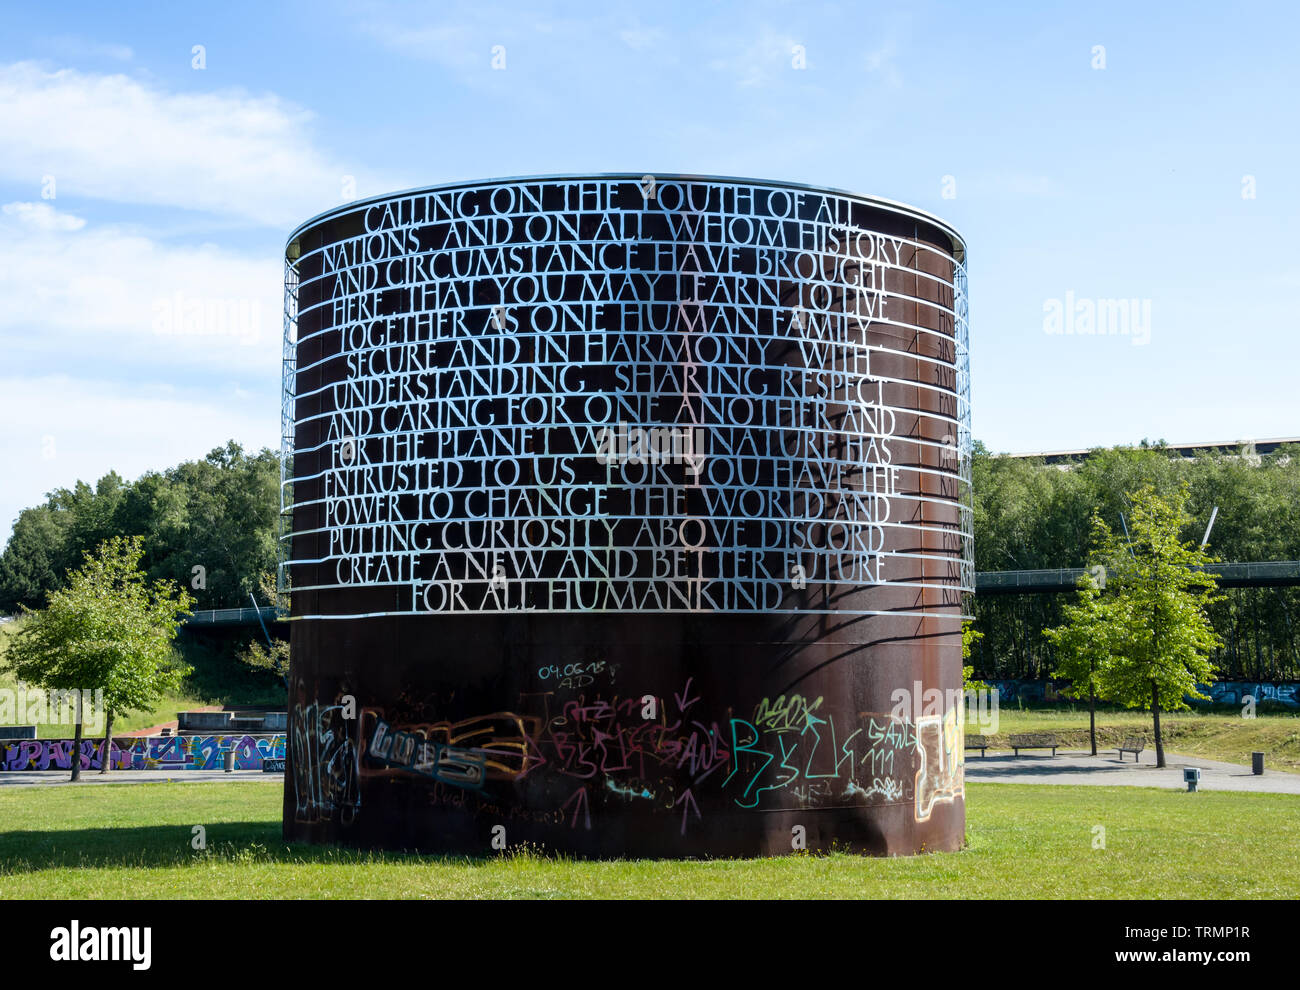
[{"x": 199, "y": 752}]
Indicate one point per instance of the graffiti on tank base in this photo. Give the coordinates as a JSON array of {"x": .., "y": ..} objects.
[
  {"x": 588, "y": 753},
  {"x": 575, "y": 675},
  {"x": 324, "y": 761},
  {"x": 147, "y": 753},
  {"x": 408, "y": 751},
  {"x": 824, "y": 762},
  {"x": 636, "y": 790},
  {"x": 941, "y": 776},
  {"x": 592, "y": 738},
  {"x": 605, "y": 748},
  {"x": 477, "y": 803},
  {"x": 461, "y": 754},
  {"x": 888, "y": 788}
]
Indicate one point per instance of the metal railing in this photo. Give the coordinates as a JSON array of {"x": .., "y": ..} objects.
[
  {"x": 234, "y": 616},
  {"x": 1251, "y": 574}
]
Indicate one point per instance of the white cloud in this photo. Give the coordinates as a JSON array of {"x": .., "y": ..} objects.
[
  {"x": 112, "y": 137},
  {"x": 124, "y": 293},
  {"x": 59, "y": 430},
  {"x": 42, "y": 217}
]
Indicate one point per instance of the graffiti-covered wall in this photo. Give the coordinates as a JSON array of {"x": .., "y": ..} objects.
[
  {"x": 146, "y": 752},
  {"x": 1236, "y": 692},
  {"x": 1050, "y": 692},
  {"x": 622, "y": 509}
]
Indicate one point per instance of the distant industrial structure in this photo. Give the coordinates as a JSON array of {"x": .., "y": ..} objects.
[{"x": 1188, "y": 451}]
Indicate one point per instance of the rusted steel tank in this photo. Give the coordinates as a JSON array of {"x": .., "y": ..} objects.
[{"x": 626, "y": 515}]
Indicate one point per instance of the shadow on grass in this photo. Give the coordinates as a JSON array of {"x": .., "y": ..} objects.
[
  {"x": 244, "y": 843},
  {"x": 260, "y": 843}
]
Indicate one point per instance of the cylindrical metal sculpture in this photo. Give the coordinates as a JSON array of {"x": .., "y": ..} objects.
[{"x": 629, "y": 516}]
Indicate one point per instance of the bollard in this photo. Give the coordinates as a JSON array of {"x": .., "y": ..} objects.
[
  {"x": 1257, "y": 763},
  {"x": 229, "y": 759}
]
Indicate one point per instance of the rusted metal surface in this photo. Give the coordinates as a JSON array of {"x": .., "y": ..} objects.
[{"x": 825, "y": 715}]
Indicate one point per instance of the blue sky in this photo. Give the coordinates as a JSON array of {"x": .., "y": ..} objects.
[{"x": 135, "y": 186}]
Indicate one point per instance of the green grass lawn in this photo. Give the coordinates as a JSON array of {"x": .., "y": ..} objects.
[
  {"x": 1212, "y": 735},
  {"x": 133, "y": 841}
]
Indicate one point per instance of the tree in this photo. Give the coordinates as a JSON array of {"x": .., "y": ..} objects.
[
  {"x": 209, "y": 525},
  {"x": 109, "y": 629},
  {"x": 1157, "y": 634},
  {"x": 219, "y": 513},
  {"x": 29, "y": 567},
  {"x": 1085, "y": 640},
  {"x": 273, "y": 658}
]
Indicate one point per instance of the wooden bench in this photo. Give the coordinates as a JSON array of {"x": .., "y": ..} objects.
[
  {"x": 1033, "y": 740},
  {"x": 977, "y": 742},
  {"x": 1133, "y": 746}
]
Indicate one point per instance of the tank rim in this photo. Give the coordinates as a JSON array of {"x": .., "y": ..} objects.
[{"x": 957, "y": 242}]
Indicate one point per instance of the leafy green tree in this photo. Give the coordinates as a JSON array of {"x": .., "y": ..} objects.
[
  {"x": 1085, "y": 640},
  {"x": 969, "y": 637},
  {"x": 109, "y": 629},
  {"x": 208, "y": 525},
  {"x": 29, "y": 567},
  {"x": 273, "y": 658},
  {"x": 224, "y": 521},
  {"x": 1157, "y": 634}
]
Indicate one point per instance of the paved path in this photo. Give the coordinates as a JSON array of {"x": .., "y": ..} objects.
[
  {"x": 1106, "y": 770},
  {"x": 52, "y": 778}
]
